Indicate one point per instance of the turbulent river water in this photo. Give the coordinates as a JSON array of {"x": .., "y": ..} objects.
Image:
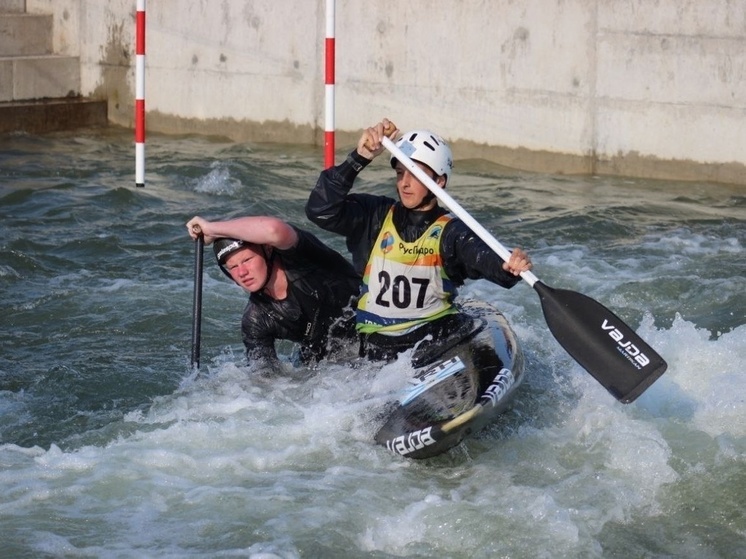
[{"x": 111, "y": 445}]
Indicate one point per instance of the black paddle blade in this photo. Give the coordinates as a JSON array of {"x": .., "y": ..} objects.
[{"x": 601, "y": 342}]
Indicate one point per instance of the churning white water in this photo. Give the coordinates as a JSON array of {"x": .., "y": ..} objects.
[{"x": 112, "y": 446}]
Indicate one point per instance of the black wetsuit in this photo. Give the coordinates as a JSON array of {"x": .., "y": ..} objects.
[
  {"x": 359, "y": 217},
  {"x": 322, "y": 288}
]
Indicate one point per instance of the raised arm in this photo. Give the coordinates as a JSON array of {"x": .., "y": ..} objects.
[
  {"x": 329, "y": 205},
  {"x": 262, "y": 230}
]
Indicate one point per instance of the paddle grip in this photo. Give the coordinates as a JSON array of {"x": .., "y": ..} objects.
[{"x": 386, "y": 130}]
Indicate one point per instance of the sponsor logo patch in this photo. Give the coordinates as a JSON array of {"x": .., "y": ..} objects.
[
  {"x": 431, "y": 377},
  {"x": 499, "y": 387},
  {"x": 626, "y": 347},
  {"x": 416, "y": 440},
  {"x": 387, "y": 243}
]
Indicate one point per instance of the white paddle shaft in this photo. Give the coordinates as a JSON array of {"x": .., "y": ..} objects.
[{"x": 454, "y": 206}]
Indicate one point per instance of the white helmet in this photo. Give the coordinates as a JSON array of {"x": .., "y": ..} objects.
[{"x": 428, "y": 148}]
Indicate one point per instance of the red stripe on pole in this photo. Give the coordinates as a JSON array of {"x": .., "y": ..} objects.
[
  {"x": 328, "y": 149},
  {"x": 140, "y": 121},
  {"x": 330, "y": 46},
  {"x": 140, "y": 43}
]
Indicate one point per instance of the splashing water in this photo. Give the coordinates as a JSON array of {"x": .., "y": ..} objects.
[{"x": 111, "y": 446}]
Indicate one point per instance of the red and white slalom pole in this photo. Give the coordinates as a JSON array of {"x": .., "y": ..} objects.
[
  {"x": 329, "y": 87},
  {"x": 140, "y": 96}
]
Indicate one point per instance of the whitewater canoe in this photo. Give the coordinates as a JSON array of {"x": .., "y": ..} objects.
[{"x": 467, "y": 387}]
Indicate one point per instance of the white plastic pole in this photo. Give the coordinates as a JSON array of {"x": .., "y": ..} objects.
[
  {"x": 140, "y": 95},
  {"x": 329, "y": 78}
]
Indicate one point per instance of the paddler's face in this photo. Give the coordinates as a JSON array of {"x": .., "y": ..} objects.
[
  {"x": 411, "y": 191},
  {"x": 248, "y": 268}
]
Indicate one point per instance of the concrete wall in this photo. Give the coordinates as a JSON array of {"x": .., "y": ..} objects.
[{"x": 652, "y": 88}]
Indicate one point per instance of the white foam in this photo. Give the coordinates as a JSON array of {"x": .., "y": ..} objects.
[
  {"x": 218, "y": 181},
  {"x": 234, "y": 454}
]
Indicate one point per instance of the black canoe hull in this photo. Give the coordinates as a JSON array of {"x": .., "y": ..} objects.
[{"x": 466, "y": 388}]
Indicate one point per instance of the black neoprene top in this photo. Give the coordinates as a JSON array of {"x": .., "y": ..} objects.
[
  {"x": 321, "y": 283},
  {"x": 359, "y": 217}
]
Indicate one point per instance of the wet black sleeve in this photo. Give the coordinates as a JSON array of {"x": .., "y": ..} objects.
[
  {"x": 259, "y": 337},
  {"x": 356, "y": 216},
  {"x": 328, "y": 205},
  {"x": 467, "y": 256},
  {"x": 312, "y": 255}
]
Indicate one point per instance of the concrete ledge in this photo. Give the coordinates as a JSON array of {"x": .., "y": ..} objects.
[
  {"x": 25, "y": 34},
  {"x": 6, "y": 79},
  {"x": 12, "y": 6},
  {"x": 39, "y": 77},
  {"x": 50, "y": 115},
  {"x": 46, "y": 76}
]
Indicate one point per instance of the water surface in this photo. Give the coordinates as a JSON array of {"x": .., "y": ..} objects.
[{"x": 111, "y": 445}]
